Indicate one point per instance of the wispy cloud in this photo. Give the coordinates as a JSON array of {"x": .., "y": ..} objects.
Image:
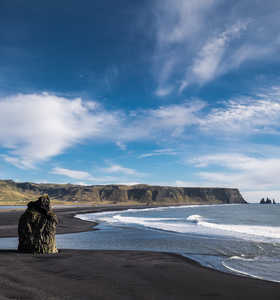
[
  {"x": 177, "y": 25},
  {"x": 158, "y": 152},
  {"x": 18, "y": 162},
  {"x": 158, "y": 123},
  {"x": 207, "y": 64},
  {"x": 121, "y": 145},
  {"x": 75, "y": 174},
  {"x": 164, "y": 91},
  {"x": 246, "y": 172},
  {"x": 85, "y": 176},
  {"x": 249, "y": 115},
  {"x": 114, "y": 168},
  {"x": 197, "y": 41},
  {"x": 183, "y": 183},
  {"x": 180, "y": 19}
]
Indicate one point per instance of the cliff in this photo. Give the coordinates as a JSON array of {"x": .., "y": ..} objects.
[{"x": 101, "y": 194}]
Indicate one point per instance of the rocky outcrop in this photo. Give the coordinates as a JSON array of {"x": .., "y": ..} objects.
[
  {"x": 141, "y": 193},
  {"x": 267, "y": 201},
  {"x": 37, "y": 228}
]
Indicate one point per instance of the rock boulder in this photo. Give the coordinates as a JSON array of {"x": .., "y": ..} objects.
[{"x": 37, "y": 228}]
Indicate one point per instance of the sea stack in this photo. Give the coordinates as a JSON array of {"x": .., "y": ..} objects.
[{"x": 37, "y": 228}]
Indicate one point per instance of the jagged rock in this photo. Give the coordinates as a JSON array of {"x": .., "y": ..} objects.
[{"x": 37, "y": 228}]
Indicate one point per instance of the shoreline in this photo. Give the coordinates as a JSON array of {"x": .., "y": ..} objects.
[
  {"x": 67, "y": 223},
  {"x": 110, "y": 274}
]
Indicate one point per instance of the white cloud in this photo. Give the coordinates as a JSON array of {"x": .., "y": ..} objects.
[
  {"x": 177, "y": 25},
  {"x": 156, "y": 124},
  {"x": 19, "y": 163},
  {"x": 121, "y": 145},
  {"x": 180, "y": 19},
  {"x": 244, "y": 116},
  {"x": 120, "y": 169},
  {"x": 36, "y": 127},
  {"x": 196, "y": 41},
  {"x": 162, "y": 92},
  {"x": 249, "y": 174},
  {"x": 158, "y": 152},
  {"x": 230, "y": 160},
  {"x": 129, "y": 183},
  {"x": 75, "y": 174},
  {"x": 169, "y": 120},
  {"x": 251, "y": 115},
  {"x": 183, "y": 183},
  {"x": 83, "y": 175},
  {"x": 207, "y": 64}
]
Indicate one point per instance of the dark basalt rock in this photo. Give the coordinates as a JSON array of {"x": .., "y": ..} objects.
[{"x": 37, "y": 228}]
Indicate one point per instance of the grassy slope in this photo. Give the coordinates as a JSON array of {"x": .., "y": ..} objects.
[{"x": 11, "y": 194}]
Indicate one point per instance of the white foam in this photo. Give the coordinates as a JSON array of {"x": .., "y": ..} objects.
[
  {"x": 93, "y": 216},
  {"x": 251, "y": 272},
  {"x": 124, "y": 219},
  {"x": 262, "y": 231},
  {"x": 195, "y": 218},
  {"x": 162, "y": 208},
  {"x": 255, "y": 230},
  {"x": 192, "y": 224},
  {"x": 242, "y": 258},
  {"x": 152, "y": 223}
]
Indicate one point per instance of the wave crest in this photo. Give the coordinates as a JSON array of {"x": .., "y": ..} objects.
[{"x": 195, "y": 218}]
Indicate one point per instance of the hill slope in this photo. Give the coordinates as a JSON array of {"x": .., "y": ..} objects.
[{"x": 20, "y": 193}]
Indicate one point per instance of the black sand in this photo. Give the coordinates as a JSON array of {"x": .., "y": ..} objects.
[{"x": 79, "y": 274}]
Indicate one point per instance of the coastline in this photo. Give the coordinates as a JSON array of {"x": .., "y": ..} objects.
[
  {"x": 67, "y": 223},
  {"x": 88, "y": 274}
]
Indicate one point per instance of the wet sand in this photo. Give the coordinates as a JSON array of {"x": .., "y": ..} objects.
[{"x": 83, "y": 274}]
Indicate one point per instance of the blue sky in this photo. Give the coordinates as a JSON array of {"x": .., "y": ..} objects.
[{"x": 181, "y": 93}]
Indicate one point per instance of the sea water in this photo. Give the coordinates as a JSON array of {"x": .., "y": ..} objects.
[{"x": 237, "y": 238}]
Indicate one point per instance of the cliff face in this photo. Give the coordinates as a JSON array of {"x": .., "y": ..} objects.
[{"x": 144, "y": 194}]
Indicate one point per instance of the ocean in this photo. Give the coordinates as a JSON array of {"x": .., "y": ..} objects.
[{"x": 234, "y": 238}]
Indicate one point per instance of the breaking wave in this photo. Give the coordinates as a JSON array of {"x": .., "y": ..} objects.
[{"x": 262, "y": 231}]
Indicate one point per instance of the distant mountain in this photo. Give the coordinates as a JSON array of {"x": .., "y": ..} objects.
[{"x": 19, "y": 193}]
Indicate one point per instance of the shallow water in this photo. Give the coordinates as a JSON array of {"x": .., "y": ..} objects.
[{"x": 4, "y": 207}]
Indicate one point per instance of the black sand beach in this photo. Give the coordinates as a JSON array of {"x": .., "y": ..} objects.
[{"x": 83, "y": 274}]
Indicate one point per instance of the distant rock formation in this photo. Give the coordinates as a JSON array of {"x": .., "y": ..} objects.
[
  {"x": 262, "y": 201},
  {"x": 37, "y": 228},
  {"x": 267, "y": 201}
]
